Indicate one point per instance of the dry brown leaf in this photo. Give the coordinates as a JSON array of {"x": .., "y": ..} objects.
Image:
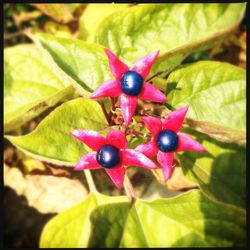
[
  {"x": 177, "y": 181},
  {"x": 48, "y": 194},
  {"x": 59, "y": 12},
  {"x": 25, "y": 16}
]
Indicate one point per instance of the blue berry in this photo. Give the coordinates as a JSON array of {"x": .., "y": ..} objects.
[
  {"x": 108, "y": 156},
  {"x": 131, "y": 83},
  {"x": 167, "y": 141}
]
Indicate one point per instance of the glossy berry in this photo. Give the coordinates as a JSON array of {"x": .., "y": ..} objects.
[
  {"x": 131, "y": 83},
  {"x": 167, "y": 141},
  {"x": 108, "y": 156}
]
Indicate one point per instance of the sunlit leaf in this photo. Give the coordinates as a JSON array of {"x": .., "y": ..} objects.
[
  {"x": 32, "y": 83},
  {"x": 51, "y": 141},
  {"x": 188, "y": 220},
  {"x": 85, "y": 62},
  {"x": 175, "y": 29},
  {"x": 216, "y": 95},
  {"x": 89, "y": 24},
  {"x": 72, "y": 228}
]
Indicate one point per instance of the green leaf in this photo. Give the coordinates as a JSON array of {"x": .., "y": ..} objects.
[
  {"x": 89, "y": 25},
  {"x": 72, "y": 228},
  {"x": 173, "y": 29},
  {"x": 51, "y": 141},
  {"x": 221, "y": 172},
  {"x": 85, "y": 62},
  {"x": 216, "y": 94},
  {"x": 32, "y": 83},
  {"x": 188, "y": 220}
]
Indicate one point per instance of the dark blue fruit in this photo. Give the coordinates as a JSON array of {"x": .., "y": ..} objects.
[
  {"x": 167, "y": 141},
  {"x": 108, "y": 156},
  {"x": 131, "y": 83}
]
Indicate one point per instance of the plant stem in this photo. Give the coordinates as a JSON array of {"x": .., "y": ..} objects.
[
  {"x": 105, "y": 111},
  {"x": 129, "y": 189},
  {"x": 113, "y": 103},
  {"x": 158, "y": 74},
  {"x": 136, "y": 132},
  {"x": 90, "y": 181},
  {"x": 112, "y": 110}
]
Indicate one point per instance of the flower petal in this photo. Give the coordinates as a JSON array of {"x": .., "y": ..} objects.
[
  {"x": 128, "y": 106},
  {"x": 186, "y": 142},
  {"x": 175, "y": 119},
  {"x": 90, "y": 137},
  {"x": 87, "y": 161},
  {"x": 117, "y": 175},
  {"x": 153, "y": 124},
  {"x": 143, "y": 65},
  {"x": 117, "y": 67},
  {"x": 108, "y": 88},
  {"x": 166, "y": 161},
  {"x": 117, "y": 138},
  {"x": 149, "y": 149},
  {"x": 151, "y": 93},
  {"x": 133, "y": 157}
]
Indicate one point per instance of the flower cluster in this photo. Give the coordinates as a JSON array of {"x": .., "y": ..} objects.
[
  {"x": 167, "y": 139},
  {"x": 129, "y": 84},
  {"x": 111, "y": 153}
]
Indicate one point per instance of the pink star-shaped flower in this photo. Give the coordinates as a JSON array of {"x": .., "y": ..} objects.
[
  {"x": 129, "y": 84},
  {"x": 111, "y": 153},
  {"x": 167, "y": 139}
]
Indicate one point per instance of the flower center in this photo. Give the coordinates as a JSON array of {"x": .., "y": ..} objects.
[
  {"x": 108, "y": 156},
  {"x": 167, "y": 141},
  {"x": 131, "y": 83}
]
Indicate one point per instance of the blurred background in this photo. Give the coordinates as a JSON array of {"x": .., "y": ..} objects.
[{"x": 32, "y": 187}]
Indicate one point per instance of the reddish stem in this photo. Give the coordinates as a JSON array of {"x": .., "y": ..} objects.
[
  {"x": 105, "y": 112},
  {"x": 113, "y": 101},
  {"x": 136, "y": 132}
]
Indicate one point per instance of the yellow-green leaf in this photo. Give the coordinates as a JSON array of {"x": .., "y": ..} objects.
[
  {"x": 187, "y": 220},
  {"x": 175, "y": 29},
  {"x": 85, "y": 62},
  {"x": 88, "y": 22},
  {"x": 216, "y": 95},
  {"x": 51, "y": 141},
  {"x": 72, "y": 228},
  {"x": 32, "y": 83}
]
